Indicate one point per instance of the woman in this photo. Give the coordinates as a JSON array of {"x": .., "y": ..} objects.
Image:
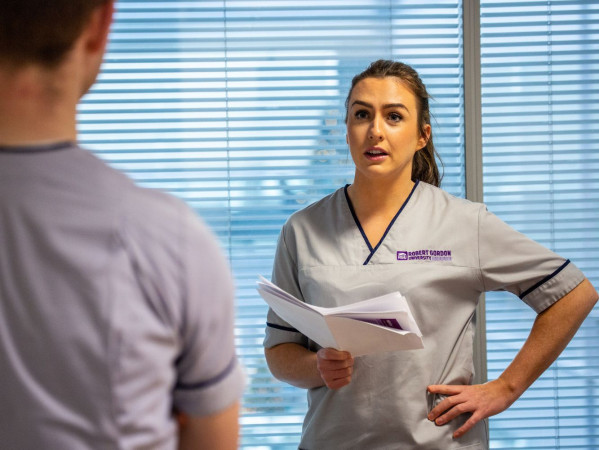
[{"x": 393, "y": 229}]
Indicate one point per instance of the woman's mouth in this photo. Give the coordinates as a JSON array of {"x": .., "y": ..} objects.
[{"x": 375, "y": 154}]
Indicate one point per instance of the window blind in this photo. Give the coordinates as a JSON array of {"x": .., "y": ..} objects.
[
  {"x": 237, "y": 107},
  {"x": 540, "y": 85}
]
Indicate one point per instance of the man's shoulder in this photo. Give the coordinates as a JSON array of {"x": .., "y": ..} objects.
[
  {"x": 154, "y": 204},
  {"x": 144, "y": 204}
]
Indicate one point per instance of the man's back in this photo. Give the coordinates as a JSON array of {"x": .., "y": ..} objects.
[{"x": 109, "y": 296}]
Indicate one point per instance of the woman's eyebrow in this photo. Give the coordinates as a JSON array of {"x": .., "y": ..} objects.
[
  {"x": 360, "y": 102},
  {"x": 386, "y": 106},
  {"x": 396, "y": 105}
]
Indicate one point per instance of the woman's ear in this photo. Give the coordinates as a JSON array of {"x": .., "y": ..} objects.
[{"x": 424, "y": 137}]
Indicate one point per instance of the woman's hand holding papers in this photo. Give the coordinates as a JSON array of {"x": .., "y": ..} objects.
[
  {"x": 335, "y": 367},
  {"x": 306, "y": 369}
]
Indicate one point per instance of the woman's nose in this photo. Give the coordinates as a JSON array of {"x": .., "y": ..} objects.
[{"x": 375, "y": 132}]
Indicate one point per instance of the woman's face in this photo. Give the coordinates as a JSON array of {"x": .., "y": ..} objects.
[{"x": 382, "y": 130}]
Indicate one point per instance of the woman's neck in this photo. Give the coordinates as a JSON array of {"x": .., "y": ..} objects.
[
  {"x": 376, "y": 204},
  {"x": 375, "y": 198}
]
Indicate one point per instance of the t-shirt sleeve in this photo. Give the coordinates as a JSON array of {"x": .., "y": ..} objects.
[
  {"x": 511, "y": 261},
  {"x": 210, "y": 378},
  {"x": 285, "y": 276}
]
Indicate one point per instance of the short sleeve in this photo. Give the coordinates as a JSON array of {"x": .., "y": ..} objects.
[
  {"x": 285, "y": 276},
  {"x": 210, "y": 377},
  {"x": 511, "y": 261}
]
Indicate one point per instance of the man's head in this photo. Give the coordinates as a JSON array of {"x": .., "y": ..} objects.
[
  {"x": 41, "y": 32},
  {"x": 51, "y": 52}
]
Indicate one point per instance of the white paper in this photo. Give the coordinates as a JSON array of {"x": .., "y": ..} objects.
[{"x": 352, "y": 327}]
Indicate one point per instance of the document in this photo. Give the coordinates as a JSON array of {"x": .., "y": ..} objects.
[{"x": 380, "y": 324}]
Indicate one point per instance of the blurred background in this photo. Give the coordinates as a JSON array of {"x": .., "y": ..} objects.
[{"x": 237, "y": 107}]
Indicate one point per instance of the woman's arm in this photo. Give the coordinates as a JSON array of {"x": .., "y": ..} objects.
[
  {"x": 303, "y": 368},
  {"x": 551, "y": 332}
]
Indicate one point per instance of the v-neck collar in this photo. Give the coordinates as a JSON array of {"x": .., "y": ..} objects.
[{"x": 359, "y": 225}]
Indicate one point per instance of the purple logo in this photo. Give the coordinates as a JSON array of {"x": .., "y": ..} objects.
[
  {"x": 424, "y": 255},
  {"x": 402, "y": 256}
]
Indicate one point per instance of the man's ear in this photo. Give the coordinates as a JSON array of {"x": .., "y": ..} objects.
[
  {"x": 98, "y": 27},
  {"x": 92, "y": 43}
]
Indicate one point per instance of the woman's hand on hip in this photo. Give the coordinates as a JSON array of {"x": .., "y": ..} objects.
[{"x": 479, "y": 400}]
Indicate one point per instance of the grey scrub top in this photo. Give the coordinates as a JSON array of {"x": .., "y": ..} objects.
[
  {"x": 441, "y": 253},
  {"x": 116, "y": 306}
]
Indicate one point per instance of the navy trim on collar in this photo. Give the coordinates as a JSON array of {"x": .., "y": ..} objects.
[
  {"x": 544, "y": 280},
  {"x": 373, "y": 250},
  {"x": 353, "y": 213},
  {"x": 27, "y": 149}
]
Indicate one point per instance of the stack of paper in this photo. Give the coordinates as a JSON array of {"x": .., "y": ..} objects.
[{"x": 376, "y": 325}]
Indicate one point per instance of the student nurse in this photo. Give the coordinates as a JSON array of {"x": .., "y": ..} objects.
[{"x": 346, "y": 247}]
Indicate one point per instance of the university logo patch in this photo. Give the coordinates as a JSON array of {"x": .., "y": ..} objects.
[
  {"x": 402, "y": 256},
  {"x": 424, "y": 255}
]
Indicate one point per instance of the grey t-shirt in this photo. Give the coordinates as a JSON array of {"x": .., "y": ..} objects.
[
  {"x": 441, "y": 253},
  {"x": 116, "y": 307}
]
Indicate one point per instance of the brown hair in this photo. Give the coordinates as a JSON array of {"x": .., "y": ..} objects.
[
  {"x": 41, "y": 31},
  {"x": 424, "y": 165}
]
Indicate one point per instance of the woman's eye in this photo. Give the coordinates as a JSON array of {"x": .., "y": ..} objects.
[
  {"x": 395, "y": 117},
  {"x": 361, "y": 114}
]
